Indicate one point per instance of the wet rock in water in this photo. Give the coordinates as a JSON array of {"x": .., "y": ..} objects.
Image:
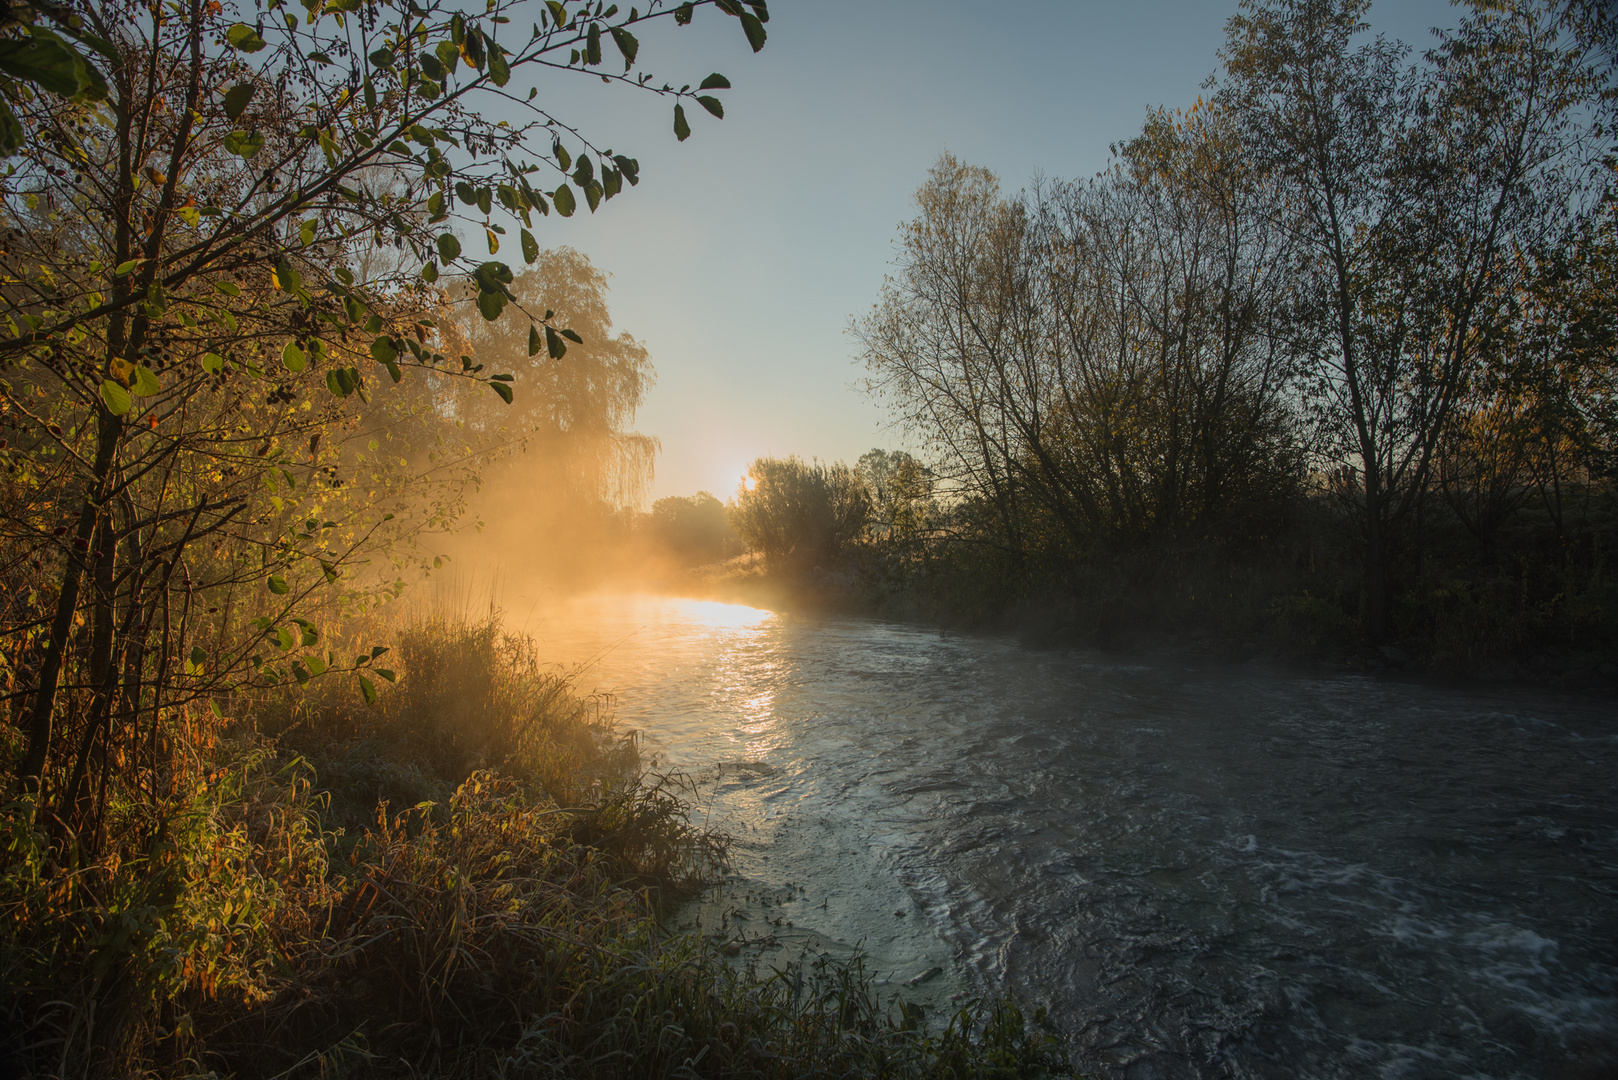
[{"x": 931, "y": 973}]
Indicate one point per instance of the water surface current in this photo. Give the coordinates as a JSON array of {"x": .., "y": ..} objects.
[{"x": 1202, "y": 870}]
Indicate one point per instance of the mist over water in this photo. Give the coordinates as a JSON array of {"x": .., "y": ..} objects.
[{"x": 1203, "y": 871}]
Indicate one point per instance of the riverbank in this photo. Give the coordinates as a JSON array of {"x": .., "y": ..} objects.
[
  {"x": 466, "y": 879},
  {"x": 1232, "y": 615}
]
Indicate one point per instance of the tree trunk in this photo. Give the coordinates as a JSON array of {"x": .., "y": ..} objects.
[
  {"x": 42, "y": 709},
  {"x": 1376, "y": 566}
]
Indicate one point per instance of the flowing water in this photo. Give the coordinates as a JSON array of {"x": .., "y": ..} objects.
[{"x": 1202, "y": 870}]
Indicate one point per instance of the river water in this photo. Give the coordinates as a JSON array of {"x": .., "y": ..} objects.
[{"x": 1202, "y": 870}]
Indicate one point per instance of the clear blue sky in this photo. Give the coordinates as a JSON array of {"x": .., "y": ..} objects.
[{"x": 745, "y": 251}]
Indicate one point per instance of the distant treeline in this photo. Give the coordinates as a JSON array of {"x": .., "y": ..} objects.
[{"x": 1327, "y": 356}]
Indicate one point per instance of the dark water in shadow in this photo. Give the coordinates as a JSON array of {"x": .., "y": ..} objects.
[{"x": 1203, "y": 871}]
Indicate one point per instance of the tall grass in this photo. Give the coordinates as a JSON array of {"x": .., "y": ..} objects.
[{"x": 463, "y": 880}]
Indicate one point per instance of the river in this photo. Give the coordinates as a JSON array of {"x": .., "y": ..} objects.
[{"x": 1202, "y": 870}]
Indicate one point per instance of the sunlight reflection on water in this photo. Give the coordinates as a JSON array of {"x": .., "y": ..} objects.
[{"x": 718, "y": 614}]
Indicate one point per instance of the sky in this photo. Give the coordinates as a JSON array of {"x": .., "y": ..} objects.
[{"x": 745, "y": 252}]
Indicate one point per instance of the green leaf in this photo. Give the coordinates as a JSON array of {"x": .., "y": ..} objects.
[
  {"x": 713, "y": 105},
  {"x": 554, "y": 344},
  {"x": 382, "y": 58},
  {"x": 429, "y": 273},
  {"x": 627, "y": 45},
  {"x": 126, "y": 267},
  {"x": 492, "y": 276},
  {"x": 213, "y": 363},
  {"x": 683, "y": 14},
  {"x": 384, "y": 351},
  {"x": 572, "y": 336},
  {"x": 279, "y": 586},
  {"x": 146, "y": 383},
  {"x": 503, "y": 390},
  {"x": 339, "y": 382},
  {"x": 715, "y": 81},
  {"x": 563, "y": 198},
  {"x": 754, "y": 29},
  {"x": 530, "y": 247},
  {"x": 237, "y": 97},
  {"x": 317, "y": 666},
  {"x": 448, "y": 55},
  {"x": 682, "y": 130},
  {"x": 592, "y": 44},
  {"x": 47, "y": 60},
  {"x": 449, "y": 247},
  {"x": 368, "y": 689},
  {"x": 491, "y": 304},
  {"x": 499, "y": 69},
  {"x": 466, "y": 193},
  {"x": 306, "y": 232},
  {"x": 115, "y": 397},
  {"x": 286, "y": 277},
  {"x": 243, "y": 145},
  {"x": 433, "y": 66},
  {"x": 534, "y": 342},
  {"x": 229, "y": 288},
  {"x": 329, "y": 569},
  {"x": 244, "y": 38},
  {"x": 294, "y": 358}
]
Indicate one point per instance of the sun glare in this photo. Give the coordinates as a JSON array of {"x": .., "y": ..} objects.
[
  {"x": 722, "y": 616},
  {"x": 749, "y": 482}
]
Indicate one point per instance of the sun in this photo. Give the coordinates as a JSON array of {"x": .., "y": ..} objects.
[{"x": 750, "y": 482}]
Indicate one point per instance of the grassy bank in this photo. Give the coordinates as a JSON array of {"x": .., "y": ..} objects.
[{"x": 462, "y": 880}]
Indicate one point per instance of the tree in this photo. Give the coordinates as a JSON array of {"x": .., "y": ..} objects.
[
  {"x": 577, "y": 395},
  {"x": 797, "y": 512},
  {"x": 1096, "y": 362},
  {"x": 901, "y": 490},
  {"x": 1418, "y": 197},
  {"x": 694, "y": 528},
  {"x": 239, "y": 222}
]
